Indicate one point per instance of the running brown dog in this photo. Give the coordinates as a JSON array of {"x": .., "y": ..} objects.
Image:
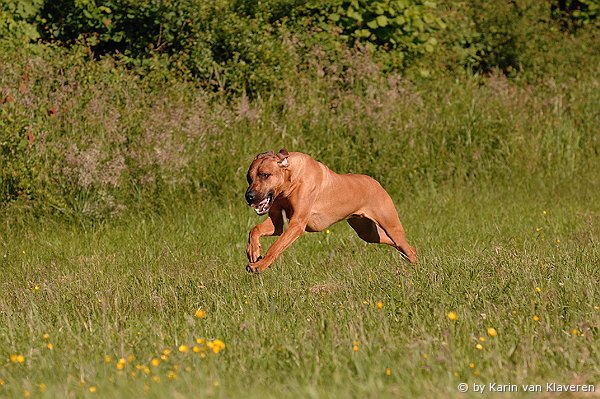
[{"x": 313, "y": 198}]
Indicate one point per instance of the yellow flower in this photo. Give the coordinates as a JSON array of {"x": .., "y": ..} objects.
[
  {"x": 200, "y": 341},
  {"x": 388, "y": 371},
  {"x": 327, "y": 231},
  {"x": 13, "y": 358},
  {"x": 121, "y": 364},
  {"x": 476, "y": 373},
  {"x": 107, "y": 359},
  {"x": 574, "y": 331},
  {"x": 183, "y": 348},
  {"x": 46, "y": 336},
  {"x": 453, "y": 316},
  {"x": 355, "y": 348},
  {"x": 42, "y": 387},
  {"x": 200, "y": 313},
  {"x": 156, "y": 378},
  {"x": 492, "y": 332},
  {"x": 146, "y": 370},
  {"x": 167, "y": 352},
  {"x": 93, "y": 389},
  {"x": 50, "y": 346},
  {"x": 155, "y": 362},
  {"x": 26, "y": 394},
  {"x": 216, "y": 345},
  {"x": 196, "y": 349},
  {"x": 472, "y": 365},
  {"x": 21, "y": 359},
  {"x": 365, "y": 302},
  {"x": 482, "y": 339},
  {"x": 380, "y": 305},
  {"x": 479, "y": 346},
  {"x": 538, "y": 289},
  {"x": 171, "y": 375},
  {"x": 536, "y": 318},
  {"x": 130, "y": 358},
  {"x": 2, "y": 382}
]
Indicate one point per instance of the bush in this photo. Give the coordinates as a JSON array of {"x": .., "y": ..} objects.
[{"x": 19, "y": 19}]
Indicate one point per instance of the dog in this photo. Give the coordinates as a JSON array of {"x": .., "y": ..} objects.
[{"x": 313, "y": 197}]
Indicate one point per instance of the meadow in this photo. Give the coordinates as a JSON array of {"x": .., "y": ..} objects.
[
  {"x": 335, "y": 317},
  {"x": 124, "y": 147}
]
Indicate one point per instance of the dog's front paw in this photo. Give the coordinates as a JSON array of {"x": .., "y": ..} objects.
[
  {"x": 253, "y": 253},
  {"x": 256, "y": 267}
]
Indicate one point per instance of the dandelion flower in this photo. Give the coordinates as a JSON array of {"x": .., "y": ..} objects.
[
  {"x": 2, "y": 382},
  {"x": 196, "y": 349},
  {"x": 355, "y": 348},
  {"x": 121, "y": 364},
  {"x": 472, "y": 365},
  {"x": 216, "y": 345},
  {"x": 130, "y": 358},
  {"x": 13, "y": 358},
  {"x": 93, "y": 389},
  {"x": 171, "y": 375},
  {"x": 107, "y": 359},
  {"x": 380, "y": 305},
  {"x": 574, "y": 332},
  {"x": 46, "y": 336},
  {"x": 200, "y": 313},
  {"x": 481, "y": 339},
  {"x": 536, "y": 318},
  {"x": 453, "y": 316},
  {"x": 476, "y": 373},
  {"x": 20, "y": 359},
  {"x": 42, "y": 387},
  {"x": 50, "y": 346},
  {"x": 388, "y": 371},
  {"x": 479, "y": 346},
  {"x": 26, "y": 394},
  {"x": 492, "y": 332},
  {"x": 156, "y": 378},
  {"x": 155, "y": 362},
  {"x": 538, "y": 289},
  {"x": 183, "y": 348},
  {"x": 200, "y": 341}
]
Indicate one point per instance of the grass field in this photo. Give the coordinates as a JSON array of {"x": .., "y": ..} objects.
[{"x": 334, "y": 317}]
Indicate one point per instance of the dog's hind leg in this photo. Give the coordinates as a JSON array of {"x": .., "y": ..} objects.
[{"x": 369, "y": 231}]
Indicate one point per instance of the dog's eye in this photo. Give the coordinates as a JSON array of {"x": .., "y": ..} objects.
[{"x": 264, "y": 176}]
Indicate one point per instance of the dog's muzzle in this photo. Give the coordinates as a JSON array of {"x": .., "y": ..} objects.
[{"x": 261, "y": 207}]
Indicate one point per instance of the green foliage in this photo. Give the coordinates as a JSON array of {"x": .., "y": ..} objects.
[
  {"x": 576, "y": 14},
  {"x": 18, "y": 20},
  {"x": 403, "y": 27}
]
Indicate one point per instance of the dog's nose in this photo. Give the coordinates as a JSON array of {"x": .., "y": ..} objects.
[{"x": 250, "y": 196}]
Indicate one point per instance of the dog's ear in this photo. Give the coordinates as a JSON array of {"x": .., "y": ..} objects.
[
  {"x": 283, "y": 157},
  {"x": 264, "y": 154}
]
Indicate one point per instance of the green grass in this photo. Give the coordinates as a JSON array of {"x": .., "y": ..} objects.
[{"x": 131, "y": 287}]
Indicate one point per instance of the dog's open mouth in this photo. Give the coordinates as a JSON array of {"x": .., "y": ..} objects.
[{"x": 263, "y": 206}]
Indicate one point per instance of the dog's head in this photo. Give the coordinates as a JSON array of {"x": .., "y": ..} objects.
[{"x": 266, "y": 179}]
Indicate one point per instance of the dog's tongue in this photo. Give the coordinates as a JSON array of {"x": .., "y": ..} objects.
[{"x": 262, "y": 205}]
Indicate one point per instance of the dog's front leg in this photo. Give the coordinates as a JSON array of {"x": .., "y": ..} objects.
[
  {"x": 272, "y": 226},
  {"x": 294, "y": 230}
]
